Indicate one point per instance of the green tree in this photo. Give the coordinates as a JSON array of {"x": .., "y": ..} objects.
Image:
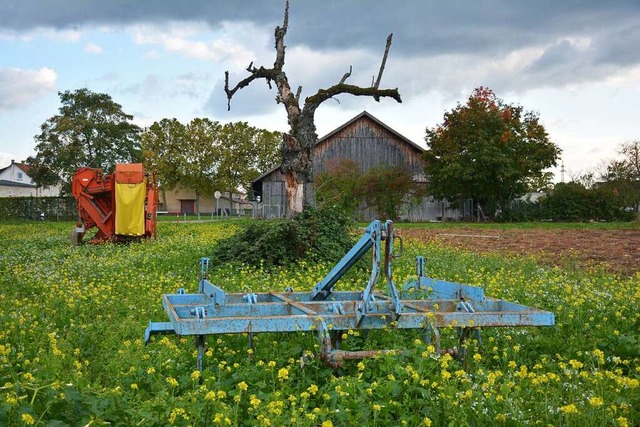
[
  {"x": 487, "y": 150},
  {"x": 622, "y": 176},
  {"x": 90, "y": 130},
  {"x": 245, "y": 152},
  {"x": 161, "y": 151},
  {"x": 205, "y": 156}
]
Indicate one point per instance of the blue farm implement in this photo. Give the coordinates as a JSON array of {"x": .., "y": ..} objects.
[{"x": 423, "y": 304}]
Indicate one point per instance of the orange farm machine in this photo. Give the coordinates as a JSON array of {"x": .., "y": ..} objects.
[{"x": 121, "y": 205}]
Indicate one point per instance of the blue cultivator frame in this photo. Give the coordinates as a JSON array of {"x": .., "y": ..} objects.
[{"x": 213, "y": 311}]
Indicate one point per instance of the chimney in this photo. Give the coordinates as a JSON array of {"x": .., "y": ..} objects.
[{"x": 12, "y": 161}]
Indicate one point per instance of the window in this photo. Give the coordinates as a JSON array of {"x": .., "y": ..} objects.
[{"x": 19, "y": 176}]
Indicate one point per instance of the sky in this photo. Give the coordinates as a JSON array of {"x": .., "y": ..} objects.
[{"x": 575, "y": 63}]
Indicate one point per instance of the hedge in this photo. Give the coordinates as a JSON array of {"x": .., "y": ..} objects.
[{"x": 54, "y": 208}]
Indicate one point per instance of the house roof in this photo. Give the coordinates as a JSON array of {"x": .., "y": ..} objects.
[
  {"x": 22, "y": 166},
  {"x": 6, "y": 183},
  {"x": 339, "y": 128}
]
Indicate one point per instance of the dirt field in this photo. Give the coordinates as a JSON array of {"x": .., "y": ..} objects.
[{"x": 616, "y": 249}]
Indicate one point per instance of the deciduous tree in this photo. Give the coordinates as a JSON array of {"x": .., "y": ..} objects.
[
  {"x": 90, "y": 130},
  {"x": 622, "y": 175},
  {"x": 487, "y": 150},
  {"x": 205, "y": 155}
]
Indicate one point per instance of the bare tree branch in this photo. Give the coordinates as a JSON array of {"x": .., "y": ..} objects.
[
  {"x": 298, "y": 92},
  {"x": 312, "y": 102},
  {"x": 269, "y": 74},
  {"x": 346, "y": 75},
  {"x": 384, "y": 60}
]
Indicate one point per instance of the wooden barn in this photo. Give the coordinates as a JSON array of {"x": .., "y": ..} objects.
[{"x": 370, "y": 143}]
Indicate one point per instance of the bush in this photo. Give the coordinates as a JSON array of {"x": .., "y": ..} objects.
[
  {"x": 314, "y": 235},
  {"x": 383, "y": 189},
  {"x": 574, "y": 202},
  {"x": 54, "y": 208}
]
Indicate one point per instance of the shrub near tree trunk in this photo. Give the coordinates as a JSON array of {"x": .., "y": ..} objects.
[{"x": 315, "y": 235}]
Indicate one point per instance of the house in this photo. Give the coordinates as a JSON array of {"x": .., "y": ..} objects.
[
  {"x": 369, "y": 142},
  {"x": 16, "y": 182},
  {"x": 185, "y": 201}
]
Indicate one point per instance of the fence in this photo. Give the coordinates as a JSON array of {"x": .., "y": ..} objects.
[{"x": 53, "y": 208}]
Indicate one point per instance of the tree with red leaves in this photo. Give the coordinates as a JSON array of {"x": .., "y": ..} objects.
[{"x": 486, "y": 150}]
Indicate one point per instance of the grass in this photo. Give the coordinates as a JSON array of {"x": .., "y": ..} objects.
[{"x": 72, "y": 322}]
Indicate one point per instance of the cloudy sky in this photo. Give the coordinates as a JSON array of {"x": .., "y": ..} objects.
[{"x": 576, "y": 63}]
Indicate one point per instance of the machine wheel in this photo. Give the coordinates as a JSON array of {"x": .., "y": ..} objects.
[{"x": 76, "y": 238}]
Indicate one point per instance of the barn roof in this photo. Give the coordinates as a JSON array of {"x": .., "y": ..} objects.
[
  {"x": 375, "y": 120},
  {"x": 340, "y": 128}
]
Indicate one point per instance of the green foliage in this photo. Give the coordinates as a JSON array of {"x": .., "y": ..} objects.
[
  {"x": 54, "y": 208},
  {"x": 385, "y": 189},
  {"x": 314, "y": 235},
  {"x": 622, "y": 176},
  {"x": 572, "y": 202},
  {"x": 339, "y": 185},
  {"x": 206, "y": 156},
  {"x": 487, "y": 150},
  {"x": 90, "y": 130},
  {"x": 382, "y": 189}
]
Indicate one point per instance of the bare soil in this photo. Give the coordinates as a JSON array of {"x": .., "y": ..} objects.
[{"x": 616, "y": 250}]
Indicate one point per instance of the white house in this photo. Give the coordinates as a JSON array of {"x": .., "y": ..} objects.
[{"x": 16, "y": 182}]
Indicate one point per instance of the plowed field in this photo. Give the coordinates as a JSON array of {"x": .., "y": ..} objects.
[{"x": 614, "y": 249}]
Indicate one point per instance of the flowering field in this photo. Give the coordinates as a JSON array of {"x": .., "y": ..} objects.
[{"x": 72, "y": 351}]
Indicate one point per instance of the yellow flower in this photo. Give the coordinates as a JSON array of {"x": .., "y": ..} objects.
[
  {"x": 575, "y": 364},
  {"x": 622, "y": 422},
  {"x": 569, "y": 409},
  {"x": 211, "y": 396},
  {"x": 243, "y": 386},
  {"x": 134, "y": 386},
  {"x": 477, "y": 357},
  {"x": 151, "y": 370},
  {"x": 172, "y": 382},
  {"x": 327, "y": 423},
  {"x": 377, "y": 407},
  {"x": 313, "y": 389},
  {"x": 283, "y": 374},
  {"x": 254, "y": 401},
  {"x": 596, "y": 401},
  {"x": 427, "y": 422},
  {"x": 28, "y": 419},
  {"x": 195, "y": 375}
]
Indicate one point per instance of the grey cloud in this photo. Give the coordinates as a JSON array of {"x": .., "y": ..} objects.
[
  {"x": 420, "y": 26},
  {"x": 619, "y": 47}
]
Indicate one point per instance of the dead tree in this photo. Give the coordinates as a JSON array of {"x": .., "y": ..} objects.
[{"x": 297, "y": 145}]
